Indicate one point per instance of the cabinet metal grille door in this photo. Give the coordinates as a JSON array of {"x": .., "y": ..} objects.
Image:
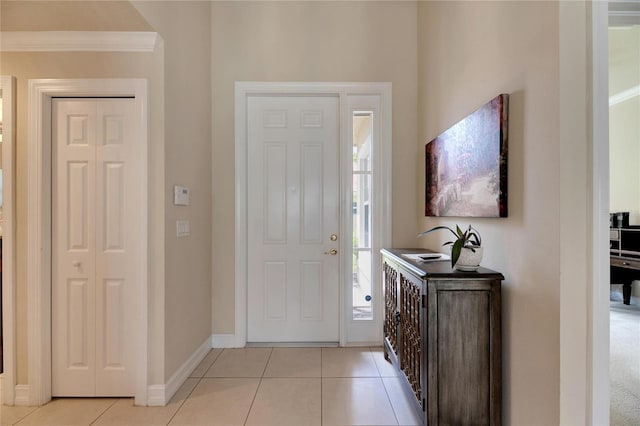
[
  {"x": 390, "y": 306},
  {"x": 411, "y": 356}
]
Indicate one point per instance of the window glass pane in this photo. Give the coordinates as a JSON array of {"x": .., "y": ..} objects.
[
  {"x": 362, "y": 210},
  {"x": 361, "y": 224},
  {"x": 362, "y": 284},
  {"x": 362, "y": 141}
]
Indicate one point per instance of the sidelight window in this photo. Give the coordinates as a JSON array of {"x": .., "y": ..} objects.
[{"x": 362, "y": 209}]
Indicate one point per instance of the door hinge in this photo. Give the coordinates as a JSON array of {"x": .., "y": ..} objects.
[
  {"x": 424, "y": 300},
  {"x": 424, "y": 402}
]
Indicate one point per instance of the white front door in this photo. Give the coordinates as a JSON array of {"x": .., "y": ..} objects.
[
  {"x": 293, "y": 219},
  {"x": 94, "y": 277}
]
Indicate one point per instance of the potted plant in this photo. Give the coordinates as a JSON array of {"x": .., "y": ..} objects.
[{"x": 466, "y": 250}]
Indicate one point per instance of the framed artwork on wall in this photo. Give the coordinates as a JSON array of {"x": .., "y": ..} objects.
[{"x": 466, "y": 166}]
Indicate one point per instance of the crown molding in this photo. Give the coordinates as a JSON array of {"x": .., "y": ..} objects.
[{"x": 78, "y": 41}]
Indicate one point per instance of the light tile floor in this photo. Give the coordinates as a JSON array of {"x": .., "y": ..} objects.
[{"x": 254, "y": 386}]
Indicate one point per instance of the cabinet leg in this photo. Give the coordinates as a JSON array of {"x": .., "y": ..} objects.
[
  {"x": 386, "y": 355},
  {"x": 626, "y": 293}
]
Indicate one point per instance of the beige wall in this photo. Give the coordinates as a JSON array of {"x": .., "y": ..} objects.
[
  {"x": 187, "y": 121},
  {"x": 624, "y": 121},
  {"x": 26, "y": 66},
  {"x": 468, "y": 53},
  {"x": 180, "y": 132},
  {"x": 308, "y": 41}
]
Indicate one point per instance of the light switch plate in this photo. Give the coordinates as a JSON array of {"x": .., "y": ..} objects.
[
  {"x": 180, "y": 195},
  {"x": 182, "y": 228}
]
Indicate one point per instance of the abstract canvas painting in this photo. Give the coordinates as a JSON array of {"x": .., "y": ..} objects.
[{"x": 466, "y": 166}]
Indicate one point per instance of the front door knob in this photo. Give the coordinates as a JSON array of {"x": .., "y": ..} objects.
[{"x": 332, "y": 252}]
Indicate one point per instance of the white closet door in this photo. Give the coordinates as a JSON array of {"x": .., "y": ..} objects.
[{"x": 94, "y": 277}]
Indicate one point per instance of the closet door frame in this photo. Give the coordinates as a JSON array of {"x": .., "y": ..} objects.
[{"x": 40, "y": 94}]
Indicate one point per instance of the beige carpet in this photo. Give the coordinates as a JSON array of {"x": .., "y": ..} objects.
[{"x": 625, "y": 364}]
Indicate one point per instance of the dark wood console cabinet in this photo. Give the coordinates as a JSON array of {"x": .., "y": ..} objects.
[{"x": 442, "y": 330}]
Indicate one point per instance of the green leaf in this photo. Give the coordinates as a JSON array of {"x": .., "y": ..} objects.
[
  {"x": 470, "y": 238},
  {"x": 435, "y": 228},
  {"x": 456, "y": 249}
]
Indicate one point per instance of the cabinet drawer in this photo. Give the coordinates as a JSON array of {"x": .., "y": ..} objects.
[{"x": 621, "y": 262}]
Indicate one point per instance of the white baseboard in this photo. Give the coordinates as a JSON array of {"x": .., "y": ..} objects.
[
  {"x": 22, "y": 395},
  {"x": 160, "y": 395},
  {"x": 156, "y": 396},
  {"x": 6, "y": 396},
  {"x": 223, "y": 341}
]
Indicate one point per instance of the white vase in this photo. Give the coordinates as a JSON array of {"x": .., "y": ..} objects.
[{"x": 469, "y": 260}]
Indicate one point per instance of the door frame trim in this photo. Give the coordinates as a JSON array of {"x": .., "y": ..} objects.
[
  {"x": 244, "y": 89},
  {"x": 598, "y": 387},
  {"x": 8, "y": 84},
  {"x": 41, "y": 92}
]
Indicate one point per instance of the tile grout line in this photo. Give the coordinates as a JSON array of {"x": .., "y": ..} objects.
[
  {"x": 258, "y": 388},
  {"x": 384, "y": 386},
  {"x": 321, "y": 383},
  {"x": 25, "y": 416},
  {"x": 393, "y": 409},
  {"x": 194, "y": 388},
  {"x": 375, "y": 363},
  {"x": 104, "y": 411},
  {"x": 185, "y": 398}
]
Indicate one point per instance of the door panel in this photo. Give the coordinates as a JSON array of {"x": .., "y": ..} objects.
[
  {"x": 77, "y": 226},
  {"x": 115, "y": 248},
  {"x": 311, "y": 184},
  {"x": 311, "y": 281},
  {"x": 93, "y": 249},
  {"x": 293, "y": 290},
  {"x": 275, "y": 290},
  {"x": 73, "y": 289},
  {"x": 275, "y": 193},
  {"x": 78, "y": 316},
  {"x": 113, "y": 220}
]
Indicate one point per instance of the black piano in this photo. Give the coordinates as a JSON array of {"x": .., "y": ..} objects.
[{"x": 624, "y": 245}]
